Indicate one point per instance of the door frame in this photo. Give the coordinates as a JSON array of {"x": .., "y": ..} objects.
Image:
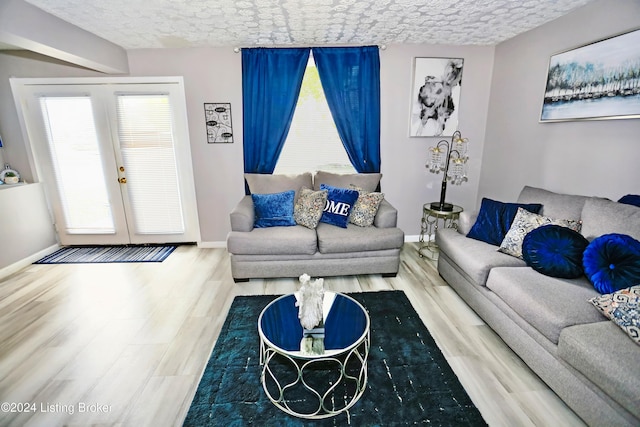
[{"x": 190, "y": 211}]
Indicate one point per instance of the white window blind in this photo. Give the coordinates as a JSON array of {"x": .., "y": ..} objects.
[
  {"x": 146, "y": 141},
  {"x": 76, "y": 163},
  {"x": 313, "y": 142}
]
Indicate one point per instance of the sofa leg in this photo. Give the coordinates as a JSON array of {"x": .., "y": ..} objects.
[
  {"x": 240, "y": 280},
  {"x": 390, "y": 274}
]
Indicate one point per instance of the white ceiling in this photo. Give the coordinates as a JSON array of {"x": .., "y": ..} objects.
[{"x": 136, "y": 24}]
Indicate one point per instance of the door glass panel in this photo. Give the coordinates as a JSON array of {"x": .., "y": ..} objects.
[
  {"x": 147, "y": 147},
  {"x": 77, "y": 165}
]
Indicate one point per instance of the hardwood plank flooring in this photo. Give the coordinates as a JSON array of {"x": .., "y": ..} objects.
[{"x": 126, "y": 344}]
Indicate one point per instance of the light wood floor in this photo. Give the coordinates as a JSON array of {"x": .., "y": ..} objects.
[{"x": 126, "y": 344}]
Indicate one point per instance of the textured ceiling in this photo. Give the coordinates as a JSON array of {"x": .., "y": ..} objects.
[{"x": 180, "y": 23}]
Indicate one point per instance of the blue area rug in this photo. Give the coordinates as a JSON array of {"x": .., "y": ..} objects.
[
  {"x": 409, "y": 382},
  {"x": 106, "y": 254}
]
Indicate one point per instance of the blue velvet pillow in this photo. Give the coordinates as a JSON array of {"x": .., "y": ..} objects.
[
  {"x": 630, "y": 199},
  {"x": 555, "y": 251},
  {"x": 495, "y": 218},
  {"x": 612, "y": 262},
  {"x": 340, "y": 201},
  {"x": 272, "y": 210}
]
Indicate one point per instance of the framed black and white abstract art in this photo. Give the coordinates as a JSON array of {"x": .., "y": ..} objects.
[
  {"x": 435, "y": 96},
  {"x": 218, "y": 121}
]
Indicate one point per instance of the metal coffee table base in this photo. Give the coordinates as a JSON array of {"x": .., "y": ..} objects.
[{"x": 345, "y": 373}]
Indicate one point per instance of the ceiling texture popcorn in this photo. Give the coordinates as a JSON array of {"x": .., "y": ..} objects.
[{"x": 136, "y": 24}]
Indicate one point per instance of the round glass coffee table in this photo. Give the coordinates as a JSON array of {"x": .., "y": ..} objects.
[{"x": 308, "y": 385}]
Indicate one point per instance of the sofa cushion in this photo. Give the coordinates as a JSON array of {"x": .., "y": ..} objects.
[
  {"x": 546, "y": 303},
  {"x": 273, "y": 209},
  {"x": 495, "y": 219},
  {"x": 368, "y": 181},
  {"x": 474, "y": 257},
  {"x": 309, "y": 207},
  {"x": 602, "y": 216},
  {"x": 273, "y": 241},
  {"x": 339, "y": 204},
  {"x": 554, "y": 205},
  {"x": 623, "y": 308},
  {"x": 607, "y": 357},
  {"x": 357, "y": 239},
  {"x": 612, "y": 262},
  {"x": 555, "y": 251},
  {"x": 274, "y": 183},
  {"x": 523, "y": 223},
  {"x": 366, "y": 207}
]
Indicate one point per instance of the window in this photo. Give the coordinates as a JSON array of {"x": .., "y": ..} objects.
[{"x": 313, "y": 142}]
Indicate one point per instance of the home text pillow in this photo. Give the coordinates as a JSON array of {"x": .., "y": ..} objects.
[
  {"x": 495, "y": 218},
  {"x": 523, "y": 223},
  {"x": 366, "y": 207},
  {"x": 309, "y": 206},
  {"x": 623, "y": 308},
  {"x": 555, "y": 251},
  {"x": 272, "y": 210},
  {"x": 612, "y": 262},
  {"x": 340, "y": 201}
]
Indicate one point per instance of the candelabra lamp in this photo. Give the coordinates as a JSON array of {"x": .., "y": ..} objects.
[{"x": 450, "y": 158}]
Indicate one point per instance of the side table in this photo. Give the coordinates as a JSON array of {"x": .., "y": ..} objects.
[{"x": 429, "y": 226}]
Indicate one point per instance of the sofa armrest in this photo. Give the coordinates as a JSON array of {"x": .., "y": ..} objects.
[
  {"x": 466, "y": 221},
  {"x": 387, "y": 216},
  {"x": 243, "y": 215}
]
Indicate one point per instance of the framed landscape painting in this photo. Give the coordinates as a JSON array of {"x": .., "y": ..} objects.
[
  {"x": 595, "y": 82},
  {"x": 435, "y": 96}
]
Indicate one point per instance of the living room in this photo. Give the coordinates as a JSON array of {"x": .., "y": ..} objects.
[{"x": 501, "y": 100}]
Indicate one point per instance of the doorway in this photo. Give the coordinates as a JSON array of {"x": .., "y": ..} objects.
[{"x": 114, "y": 156}]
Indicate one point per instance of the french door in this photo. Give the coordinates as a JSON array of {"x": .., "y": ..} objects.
[{"x": 115, "y": 159}]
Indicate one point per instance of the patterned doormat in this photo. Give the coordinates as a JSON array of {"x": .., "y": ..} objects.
[
  {"x": 410, "y": 381},
  {"x": 106, "y": 254}
]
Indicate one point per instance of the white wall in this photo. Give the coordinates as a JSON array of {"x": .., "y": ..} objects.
[{"x": 582, "y": 157}]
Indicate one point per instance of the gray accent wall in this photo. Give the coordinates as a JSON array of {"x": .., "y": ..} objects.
[{"x": 600, "y": 158}]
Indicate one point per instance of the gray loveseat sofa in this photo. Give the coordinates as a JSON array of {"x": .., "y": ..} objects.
[
  {"x": 326, "y": 250},
  {"x": 586, "y": 359}
]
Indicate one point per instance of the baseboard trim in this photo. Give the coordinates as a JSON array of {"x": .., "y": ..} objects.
[{"x": 19, "y": 265}]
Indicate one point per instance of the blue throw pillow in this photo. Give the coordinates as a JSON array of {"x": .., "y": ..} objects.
[
  {"x": 612, "y": 262},
  {"x": 340, "y": 201},
  {"x": 272, "y": 210},
  {"x": 495, "y": 218},
  {"x": 555, "y": 251},
  {"x": 630, "y": 199}
]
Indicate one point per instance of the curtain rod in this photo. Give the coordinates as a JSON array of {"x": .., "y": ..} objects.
[{"x": 238, "y": 49}]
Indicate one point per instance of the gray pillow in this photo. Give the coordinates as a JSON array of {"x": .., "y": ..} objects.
[
  {"x": 367, "y": 181},
  {"x": 268, "y": 184}
]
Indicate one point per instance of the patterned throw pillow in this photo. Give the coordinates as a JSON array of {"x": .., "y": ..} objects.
[
  {"x": 340, "y": 201},
  {"x": 623, "y": 307},
  {"x": 523, "y": 223},
  {"x": 309, "y": 206},
  {"x": 366, "y": 207}
]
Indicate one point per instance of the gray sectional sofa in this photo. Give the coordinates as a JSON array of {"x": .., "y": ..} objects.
[
  {"x": 589, "y": 361},
  {"x": 326, "y": 250}
]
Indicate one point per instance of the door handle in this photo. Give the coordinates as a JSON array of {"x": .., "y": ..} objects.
[{"x": 122, "y": 180}]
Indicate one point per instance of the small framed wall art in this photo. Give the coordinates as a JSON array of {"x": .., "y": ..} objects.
[
  {"x": 597, "y": 81},
  {"x": 218, "y": 121},
  {"x": 435, "y": 96}
]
